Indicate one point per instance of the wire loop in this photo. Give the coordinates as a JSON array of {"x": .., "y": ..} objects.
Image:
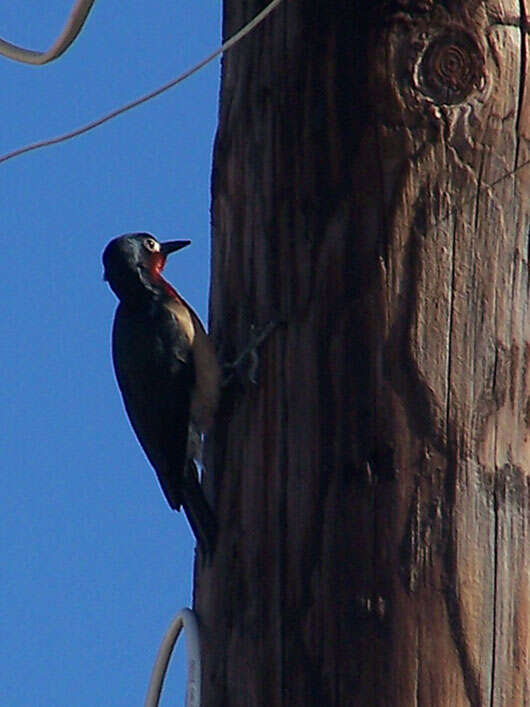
[
  {"x": 74, "y": 25},
  {"x": 186, "y": 619},
  {"x": 237, "y": 37}
]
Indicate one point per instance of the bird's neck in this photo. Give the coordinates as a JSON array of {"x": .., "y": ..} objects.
[
  {"x": 153, "y": 290},
  {"x": 162, "y": 286},
  {"x": 142, "y": 288},
  {"x": 154, "y": 276}
]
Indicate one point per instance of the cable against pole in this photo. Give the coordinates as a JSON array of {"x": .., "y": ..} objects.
[{"x": 186, "y": 619}]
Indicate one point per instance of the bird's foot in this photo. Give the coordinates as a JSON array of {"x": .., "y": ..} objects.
[{"x": 245, "y": 366}]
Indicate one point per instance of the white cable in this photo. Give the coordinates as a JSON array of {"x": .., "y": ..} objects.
[
  {"x": 148, "y": 96},
  {"x": 73, "y": 26},
  {"x": 184, "y": 619}
]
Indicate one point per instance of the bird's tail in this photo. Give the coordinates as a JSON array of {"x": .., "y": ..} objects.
[{"x": 198, "y": 512}]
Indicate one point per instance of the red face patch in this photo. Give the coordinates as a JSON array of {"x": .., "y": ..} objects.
[{"x": 156, "y": 265}]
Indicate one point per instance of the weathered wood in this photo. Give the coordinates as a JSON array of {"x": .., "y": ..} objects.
[{"x": 373, "y": 488}]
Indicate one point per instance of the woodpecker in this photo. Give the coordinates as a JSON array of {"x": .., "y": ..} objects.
[{"x": 166, "y": 369}]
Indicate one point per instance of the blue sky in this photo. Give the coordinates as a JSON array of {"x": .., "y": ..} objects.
[{"x": 94, "y": 564}]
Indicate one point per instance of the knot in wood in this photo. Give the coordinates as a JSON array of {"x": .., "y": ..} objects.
[{"x": 450, "y": 67}]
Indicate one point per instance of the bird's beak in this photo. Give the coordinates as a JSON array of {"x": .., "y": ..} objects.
[{"x": 172, "y": 246}]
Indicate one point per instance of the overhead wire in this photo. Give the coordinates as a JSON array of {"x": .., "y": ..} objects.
[
  {"x": 237, "y": 37},
  {"x": 71, "y": 29}
]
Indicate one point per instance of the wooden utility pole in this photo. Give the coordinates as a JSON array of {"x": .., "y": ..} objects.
[{"x": 373, "y": 488}]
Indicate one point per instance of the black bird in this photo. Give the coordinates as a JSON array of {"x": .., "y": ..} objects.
[{"x": 166, "y": 369}]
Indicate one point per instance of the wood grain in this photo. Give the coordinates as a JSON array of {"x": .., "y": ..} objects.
[{"x": 373, "y": 488}]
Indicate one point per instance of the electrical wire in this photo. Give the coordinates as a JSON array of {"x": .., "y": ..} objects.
[
  {"x": 237, "y": 37},
  {"x": 186, "y": 619},
  {"x": 76, "y": 21},
  {"x": 71, "y": 29}
]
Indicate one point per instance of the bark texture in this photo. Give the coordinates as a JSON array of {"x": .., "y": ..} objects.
[{"x": 373, "y": 488}]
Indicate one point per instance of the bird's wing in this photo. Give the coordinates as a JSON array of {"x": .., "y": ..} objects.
[
  {"x": 155, "y": 374},
  {"x": 205, "y": 393},
  {"x": 205, "y": 396}
]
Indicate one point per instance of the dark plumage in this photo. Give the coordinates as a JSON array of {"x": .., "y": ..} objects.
[{"x": 166, "y": 369}]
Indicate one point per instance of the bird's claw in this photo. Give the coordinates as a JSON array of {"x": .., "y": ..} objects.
[{"x": 247, "y": 363}]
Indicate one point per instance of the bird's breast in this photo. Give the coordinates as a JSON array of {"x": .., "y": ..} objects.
[
  {"x": 145, "y": 340},
  {"x": 205, "y": 392},
  {"x": 183, "y": 318}
]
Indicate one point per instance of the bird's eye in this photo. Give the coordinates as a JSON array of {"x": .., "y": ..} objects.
[{"x": 151, "y": 245}]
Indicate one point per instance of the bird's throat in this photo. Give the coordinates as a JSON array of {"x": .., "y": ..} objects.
[
  {"x": 155, "y": 272},
  {"x": 164, "y": 285}
]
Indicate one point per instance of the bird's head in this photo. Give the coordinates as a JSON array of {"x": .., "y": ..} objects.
[{"x": 133, "y": 264}]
